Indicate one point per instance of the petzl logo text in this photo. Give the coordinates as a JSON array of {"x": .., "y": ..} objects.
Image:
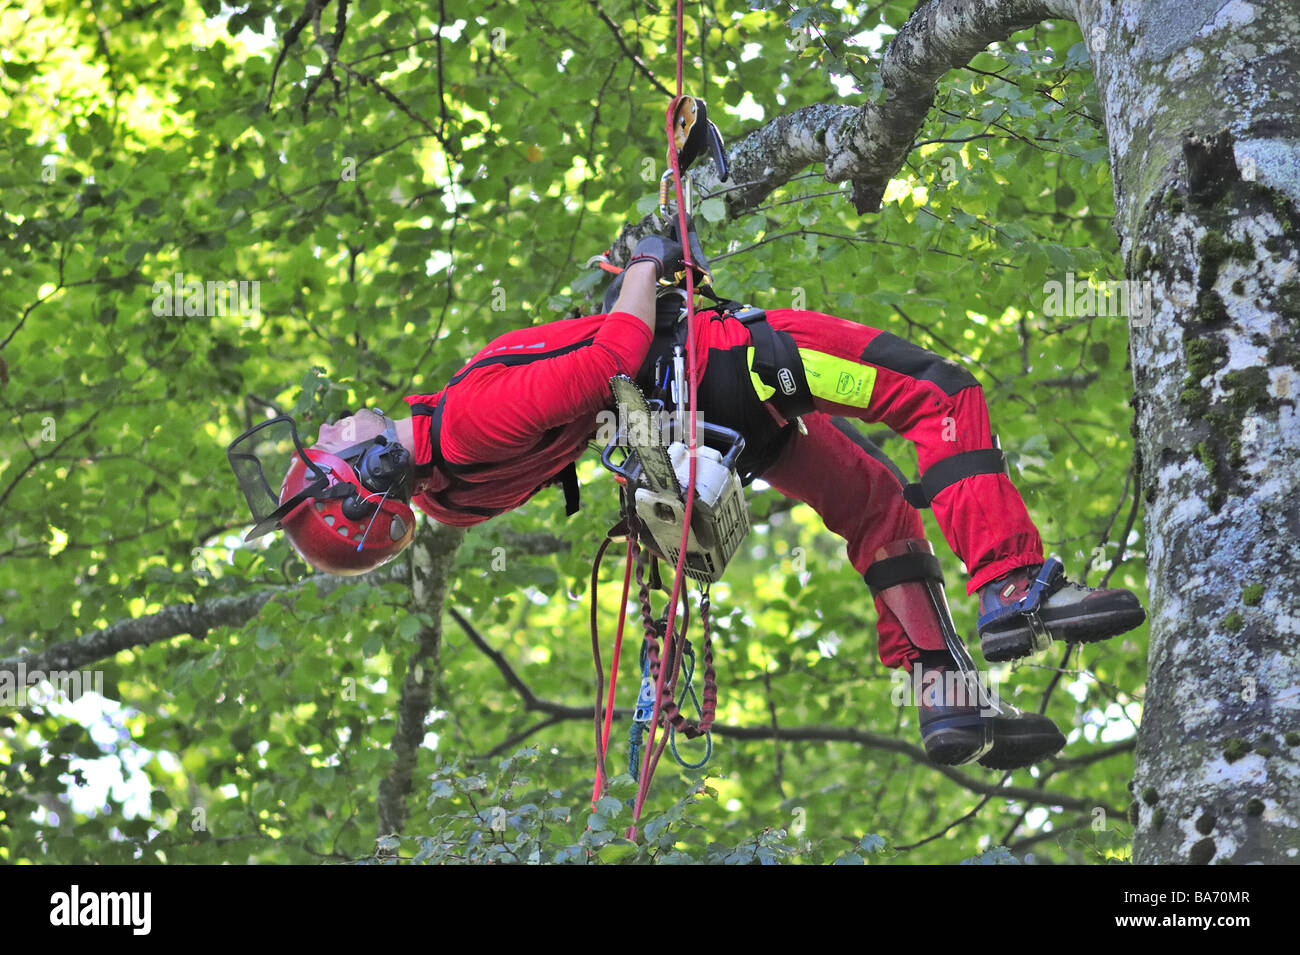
[{"x": 76, "y": 908}]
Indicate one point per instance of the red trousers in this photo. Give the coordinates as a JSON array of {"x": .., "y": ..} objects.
[{"x": 864, "y": 373}]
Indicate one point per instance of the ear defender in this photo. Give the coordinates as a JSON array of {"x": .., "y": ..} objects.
[{"x": 385, "y": 468}]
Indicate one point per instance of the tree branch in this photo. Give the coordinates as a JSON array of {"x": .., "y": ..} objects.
[
  {"x": 821, "y": 734},
  {"x": 865, "y": 145},
  {"x": 173, "y": 621}
]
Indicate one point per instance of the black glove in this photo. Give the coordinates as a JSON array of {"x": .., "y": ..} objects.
[
  {"x": 666, "y": 253},
  {"x": 668, "y": 256}
]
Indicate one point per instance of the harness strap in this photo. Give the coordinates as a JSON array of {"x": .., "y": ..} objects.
[
  {"x": 776, "y": 357},
  {"x": 777, "y": 362},
  {"x": 436, "y": 459},
  {"x": 519, "y": 358},
  {"x": 567, "y": 478},
  {"x": 949, "y": 471}
]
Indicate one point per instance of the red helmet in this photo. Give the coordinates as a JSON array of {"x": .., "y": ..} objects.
[
  {"x": 343, "y": 528},
  {"x": 344, "y": 512}
]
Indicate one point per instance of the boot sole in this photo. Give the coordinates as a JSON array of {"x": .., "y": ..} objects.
[
  {"x": 1013, "y": 747},
  {"x": 956, "y": 744},
  {"x": 1019, "y": 751},
  {"x": 952, "y": 748},
  {"x": 1001, "y": 645}
]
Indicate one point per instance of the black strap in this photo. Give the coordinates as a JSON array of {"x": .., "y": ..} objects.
[
  {"x": 950, "y": 470},
  {"x": 569, "y": 481},
  {"x": 567, "y": 478},
  {"x": 435, "y": 438},
  {"x": 519, "y": 358},
  {"x": 893, "y": 571},
  {"x": 777, "y": 361}
]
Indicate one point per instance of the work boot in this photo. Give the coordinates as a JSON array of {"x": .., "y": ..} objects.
[
  {"x": 1021, "y": 739},
  {"x": 961, "y": 723},
  {"x": 1023, "y": 611},
  {"x": 952, "y": 728}
]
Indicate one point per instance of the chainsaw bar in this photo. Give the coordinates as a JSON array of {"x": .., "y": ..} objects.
[{"x": 636, "y": 420}]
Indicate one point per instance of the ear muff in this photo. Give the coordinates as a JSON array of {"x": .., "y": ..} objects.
[
  {"x": 356, "y": 507},
  {"x": 385, "y": 468}
]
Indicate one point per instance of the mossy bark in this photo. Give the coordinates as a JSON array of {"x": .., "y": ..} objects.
[{"x": 1203, "y": 118}]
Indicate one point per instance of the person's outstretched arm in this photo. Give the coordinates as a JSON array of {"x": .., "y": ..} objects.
[{"x": 638, "y": 294}]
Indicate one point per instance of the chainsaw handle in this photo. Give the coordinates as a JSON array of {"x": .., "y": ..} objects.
[
  {"x": 624, "y": 470},
  {"x": 728, "y": 437}
]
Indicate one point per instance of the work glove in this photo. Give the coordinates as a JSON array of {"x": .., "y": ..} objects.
[{"x": 665, "y": 252}]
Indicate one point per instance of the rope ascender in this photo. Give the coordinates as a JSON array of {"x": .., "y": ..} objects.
[{"x": 689, "y": 135}]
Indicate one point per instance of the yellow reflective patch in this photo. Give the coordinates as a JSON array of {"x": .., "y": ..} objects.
[
  {"x": 830, "y": 378},
  {"x": 760, "y": 389},
  {"x": 841, "y": 380}
]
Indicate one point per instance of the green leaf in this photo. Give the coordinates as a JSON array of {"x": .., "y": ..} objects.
[
  {"x": 408, "y": 627},
  {"x": 712, "y": 210},
  {"x": 135, "y": 252}
]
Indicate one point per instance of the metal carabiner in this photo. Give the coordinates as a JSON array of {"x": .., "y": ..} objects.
[{"x": 665, "y": 182}]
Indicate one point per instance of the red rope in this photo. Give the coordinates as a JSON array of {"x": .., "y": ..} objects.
[
  {"x": 652, "y": 753},
  {"x": 602, "y": 747}
]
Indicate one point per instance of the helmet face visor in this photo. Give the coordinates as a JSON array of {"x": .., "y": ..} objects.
[{"x": 271, "y": 443}]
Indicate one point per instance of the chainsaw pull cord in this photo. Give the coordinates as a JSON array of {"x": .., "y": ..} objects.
[{"x": 651, "y": 754}]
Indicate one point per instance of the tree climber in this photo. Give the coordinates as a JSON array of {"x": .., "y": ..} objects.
[{"x": 518, "y": 415}]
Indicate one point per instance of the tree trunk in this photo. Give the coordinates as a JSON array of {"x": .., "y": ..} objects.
[
  {"x": 1203, "y": 117},
  {"x": 432, "y": 554}
]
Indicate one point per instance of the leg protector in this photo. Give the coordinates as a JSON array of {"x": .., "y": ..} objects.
[
  {"x": 907, "y": 577},
  {"x": 961, "y": 721},
  {"x": 955, "y": 725}
]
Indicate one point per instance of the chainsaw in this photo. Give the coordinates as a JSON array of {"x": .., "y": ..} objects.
[{"x": 654, "y": 469}]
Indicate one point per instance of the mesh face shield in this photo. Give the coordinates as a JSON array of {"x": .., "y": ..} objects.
[
  {"x": 381, "y": 464},
  {"x": 273, "y": 443}
]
